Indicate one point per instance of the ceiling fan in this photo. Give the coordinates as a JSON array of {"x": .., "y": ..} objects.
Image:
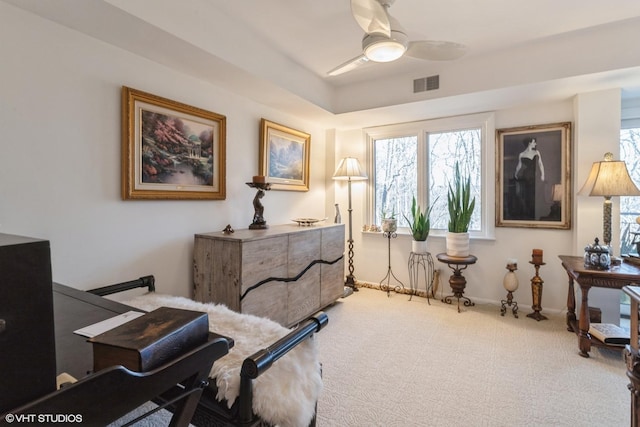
[{"x": 385, "y": 40}]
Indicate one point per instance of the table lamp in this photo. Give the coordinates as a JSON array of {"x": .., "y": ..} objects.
[
  {"x": 608, "y": 178},
  {"x": 349, "y": 170}
]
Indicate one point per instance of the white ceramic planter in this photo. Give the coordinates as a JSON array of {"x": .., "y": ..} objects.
[
  {"x": 389, "y": 225},
  {"x": 419, "y": 246},
  {"x": 457, "y": 244}
]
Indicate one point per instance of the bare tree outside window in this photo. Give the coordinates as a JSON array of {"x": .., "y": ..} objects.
[
  {"x": 630, "y": 206},
  {"x": 395, "y": 177},
  {"x": 445, "y": 149},
  {"x": 396, "y": 164},
  {"x": 417, "y": 159}
]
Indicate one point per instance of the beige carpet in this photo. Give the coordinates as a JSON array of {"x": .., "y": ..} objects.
[{"x": 388, "y": 361}]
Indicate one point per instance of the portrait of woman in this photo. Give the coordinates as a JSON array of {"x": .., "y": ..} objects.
[
  {"x": 529, "y": 169},
  {"x": 532, "y": 176}
]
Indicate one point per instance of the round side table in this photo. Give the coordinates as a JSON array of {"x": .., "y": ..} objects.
[
  {"x": 457, "y": 281},
  {"x": 420, "y": 262}
]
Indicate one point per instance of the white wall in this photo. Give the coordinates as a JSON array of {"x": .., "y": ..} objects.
[
  {"x": 60, "y": 174},
  {"x": 60, "y": 168},
  {"x": 597, "y": 117}
]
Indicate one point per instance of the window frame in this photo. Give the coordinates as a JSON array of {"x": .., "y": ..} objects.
[
  {"x": 630, "y": 119},
  {"x": 420, "y": 129}
]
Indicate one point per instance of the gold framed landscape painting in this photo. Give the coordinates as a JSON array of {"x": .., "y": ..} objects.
[
  {"x": 533, "y": 176},
  {"x": 171, "y": 150},
  {"x": 284, "y": 156}
]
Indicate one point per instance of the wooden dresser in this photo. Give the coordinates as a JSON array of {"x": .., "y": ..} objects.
[{"x": 285, "y": 273}]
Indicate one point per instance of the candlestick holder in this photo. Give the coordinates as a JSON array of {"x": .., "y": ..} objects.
[
  {"x": 510, "y": 283},
  {"x": 259, "y": 223},
  {"x": 536, "y": 293}
]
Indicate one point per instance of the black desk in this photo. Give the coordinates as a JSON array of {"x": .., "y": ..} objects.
[
  {"x": 74, "y": 309},
  {"x": 178, "y": 383}
]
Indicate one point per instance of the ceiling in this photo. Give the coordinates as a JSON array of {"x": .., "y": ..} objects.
[
  {"x": 320, "y": 35},
  {"x": 278, "y": 52}
]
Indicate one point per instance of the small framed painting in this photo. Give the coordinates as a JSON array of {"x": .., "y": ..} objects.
[
  {"x": 284, "y": 156},
  {"x": 171, "y": 150},
  {"x": 533, "y": 182}
]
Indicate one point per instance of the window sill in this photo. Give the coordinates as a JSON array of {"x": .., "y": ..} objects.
[{"x": 433, "y": 234}]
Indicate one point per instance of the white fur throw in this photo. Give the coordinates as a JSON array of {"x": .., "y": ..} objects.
[{"x": 286, "y": 394}]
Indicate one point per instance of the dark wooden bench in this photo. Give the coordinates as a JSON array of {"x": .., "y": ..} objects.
[{"x": 212, "y": 412}]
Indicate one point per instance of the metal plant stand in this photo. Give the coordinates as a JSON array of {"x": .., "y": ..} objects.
[
  {"x": 387, "y": 287},
  {"x": 420, "y": 262}
]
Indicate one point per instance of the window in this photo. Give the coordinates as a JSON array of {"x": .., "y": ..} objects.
[
  {"x": 630, "y": 206},
  {"x": 418, "y": 159}
]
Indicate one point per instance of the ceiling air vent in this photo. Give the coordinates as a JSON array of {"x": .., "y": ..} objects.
[{"x": 426, "y": 83}]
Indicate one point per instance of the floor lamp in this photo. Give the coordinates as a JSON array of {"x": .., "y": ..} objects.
[
  {"x": 607, "y": 179},
  {"x": 349, "y": 170}
]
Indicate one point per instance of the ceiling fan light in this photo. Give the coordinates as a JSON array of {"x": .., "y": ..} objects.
[
  {"x": 380, "y": 48},
  {"x": 385, "y": 51}
]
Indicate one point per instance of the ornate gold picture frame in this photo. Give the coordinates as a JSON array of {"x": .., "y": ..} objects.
[
  {"x": 284, "y": 156},
  {"x": 533, "y": 176},
  {"x": 171, "y": 150}
]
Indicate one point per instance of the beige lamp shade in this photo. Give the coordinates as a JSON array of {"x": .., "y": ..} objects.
[
  {"x": 349, "y": 168},
  {"x": 609, "y": 178}
]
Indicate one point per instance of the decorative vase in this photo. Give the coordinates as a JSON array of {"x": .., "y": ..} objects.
[
  {"x": 419, "y": 246},
  {"x": 338, "y": 218},
  {"x": 510, "y": 283},
  {"x": 457, "y": 244},
  {"x": 389, "y": 225}
]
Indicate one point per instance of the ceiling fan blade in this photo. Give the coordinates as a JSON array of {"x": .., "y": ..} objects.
[
  {"x": 434, "y": 50},
  {"x": 350, "y": 65},
  {"x": 371, "y": 16}
]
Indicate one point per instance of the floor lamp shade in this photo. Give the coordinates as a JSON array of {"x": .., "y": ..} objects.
[
  {"x": 349, "y": 170},
  {"x": 607, "y": 179}
]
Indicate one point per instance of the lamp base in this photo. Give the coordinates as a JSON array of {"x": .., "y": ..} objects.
[
  {"x": 350, "y": 282},
  {"x": 347, "y": 291}
]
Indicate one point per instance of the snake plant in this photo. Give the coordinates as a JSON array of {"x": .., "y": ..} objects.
[
  {"x": 460, "y": 203},
  {"x": 419, "y": 223}
]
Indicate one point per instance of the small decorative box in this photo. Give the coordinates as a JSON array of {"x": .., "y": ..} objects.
[
  {"x": 597, "y": 256},
  {"x": 144, "y": 343}
]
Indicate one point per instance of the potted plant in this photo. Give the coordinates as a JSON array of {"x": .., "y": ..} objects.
[
  {"x": 420, "y": 225},
  {"x": 389, "y": 224},
  {"x": 460, "y": 210}
]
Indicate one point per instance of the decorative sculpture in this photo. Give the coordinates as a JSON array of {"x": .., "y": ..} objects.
[
  {"x": 259, "y": 223},
  {"x": 510, "y": 283}
]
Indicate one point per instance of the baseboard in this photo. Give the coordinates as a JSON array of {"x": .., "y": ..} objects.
[{"x": 439, "y": 294}]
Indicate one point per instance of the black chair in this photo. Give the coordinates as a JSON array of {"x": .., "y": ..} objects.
[
  {"x": 107, "y": 395},
  {"x": 210, "y": 411}
]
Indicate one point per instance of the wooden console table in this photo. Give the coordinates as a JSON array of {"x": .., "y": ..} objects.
[
  {"x": 615, "y": 278},
  {"x": 286, "y": 272}
]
